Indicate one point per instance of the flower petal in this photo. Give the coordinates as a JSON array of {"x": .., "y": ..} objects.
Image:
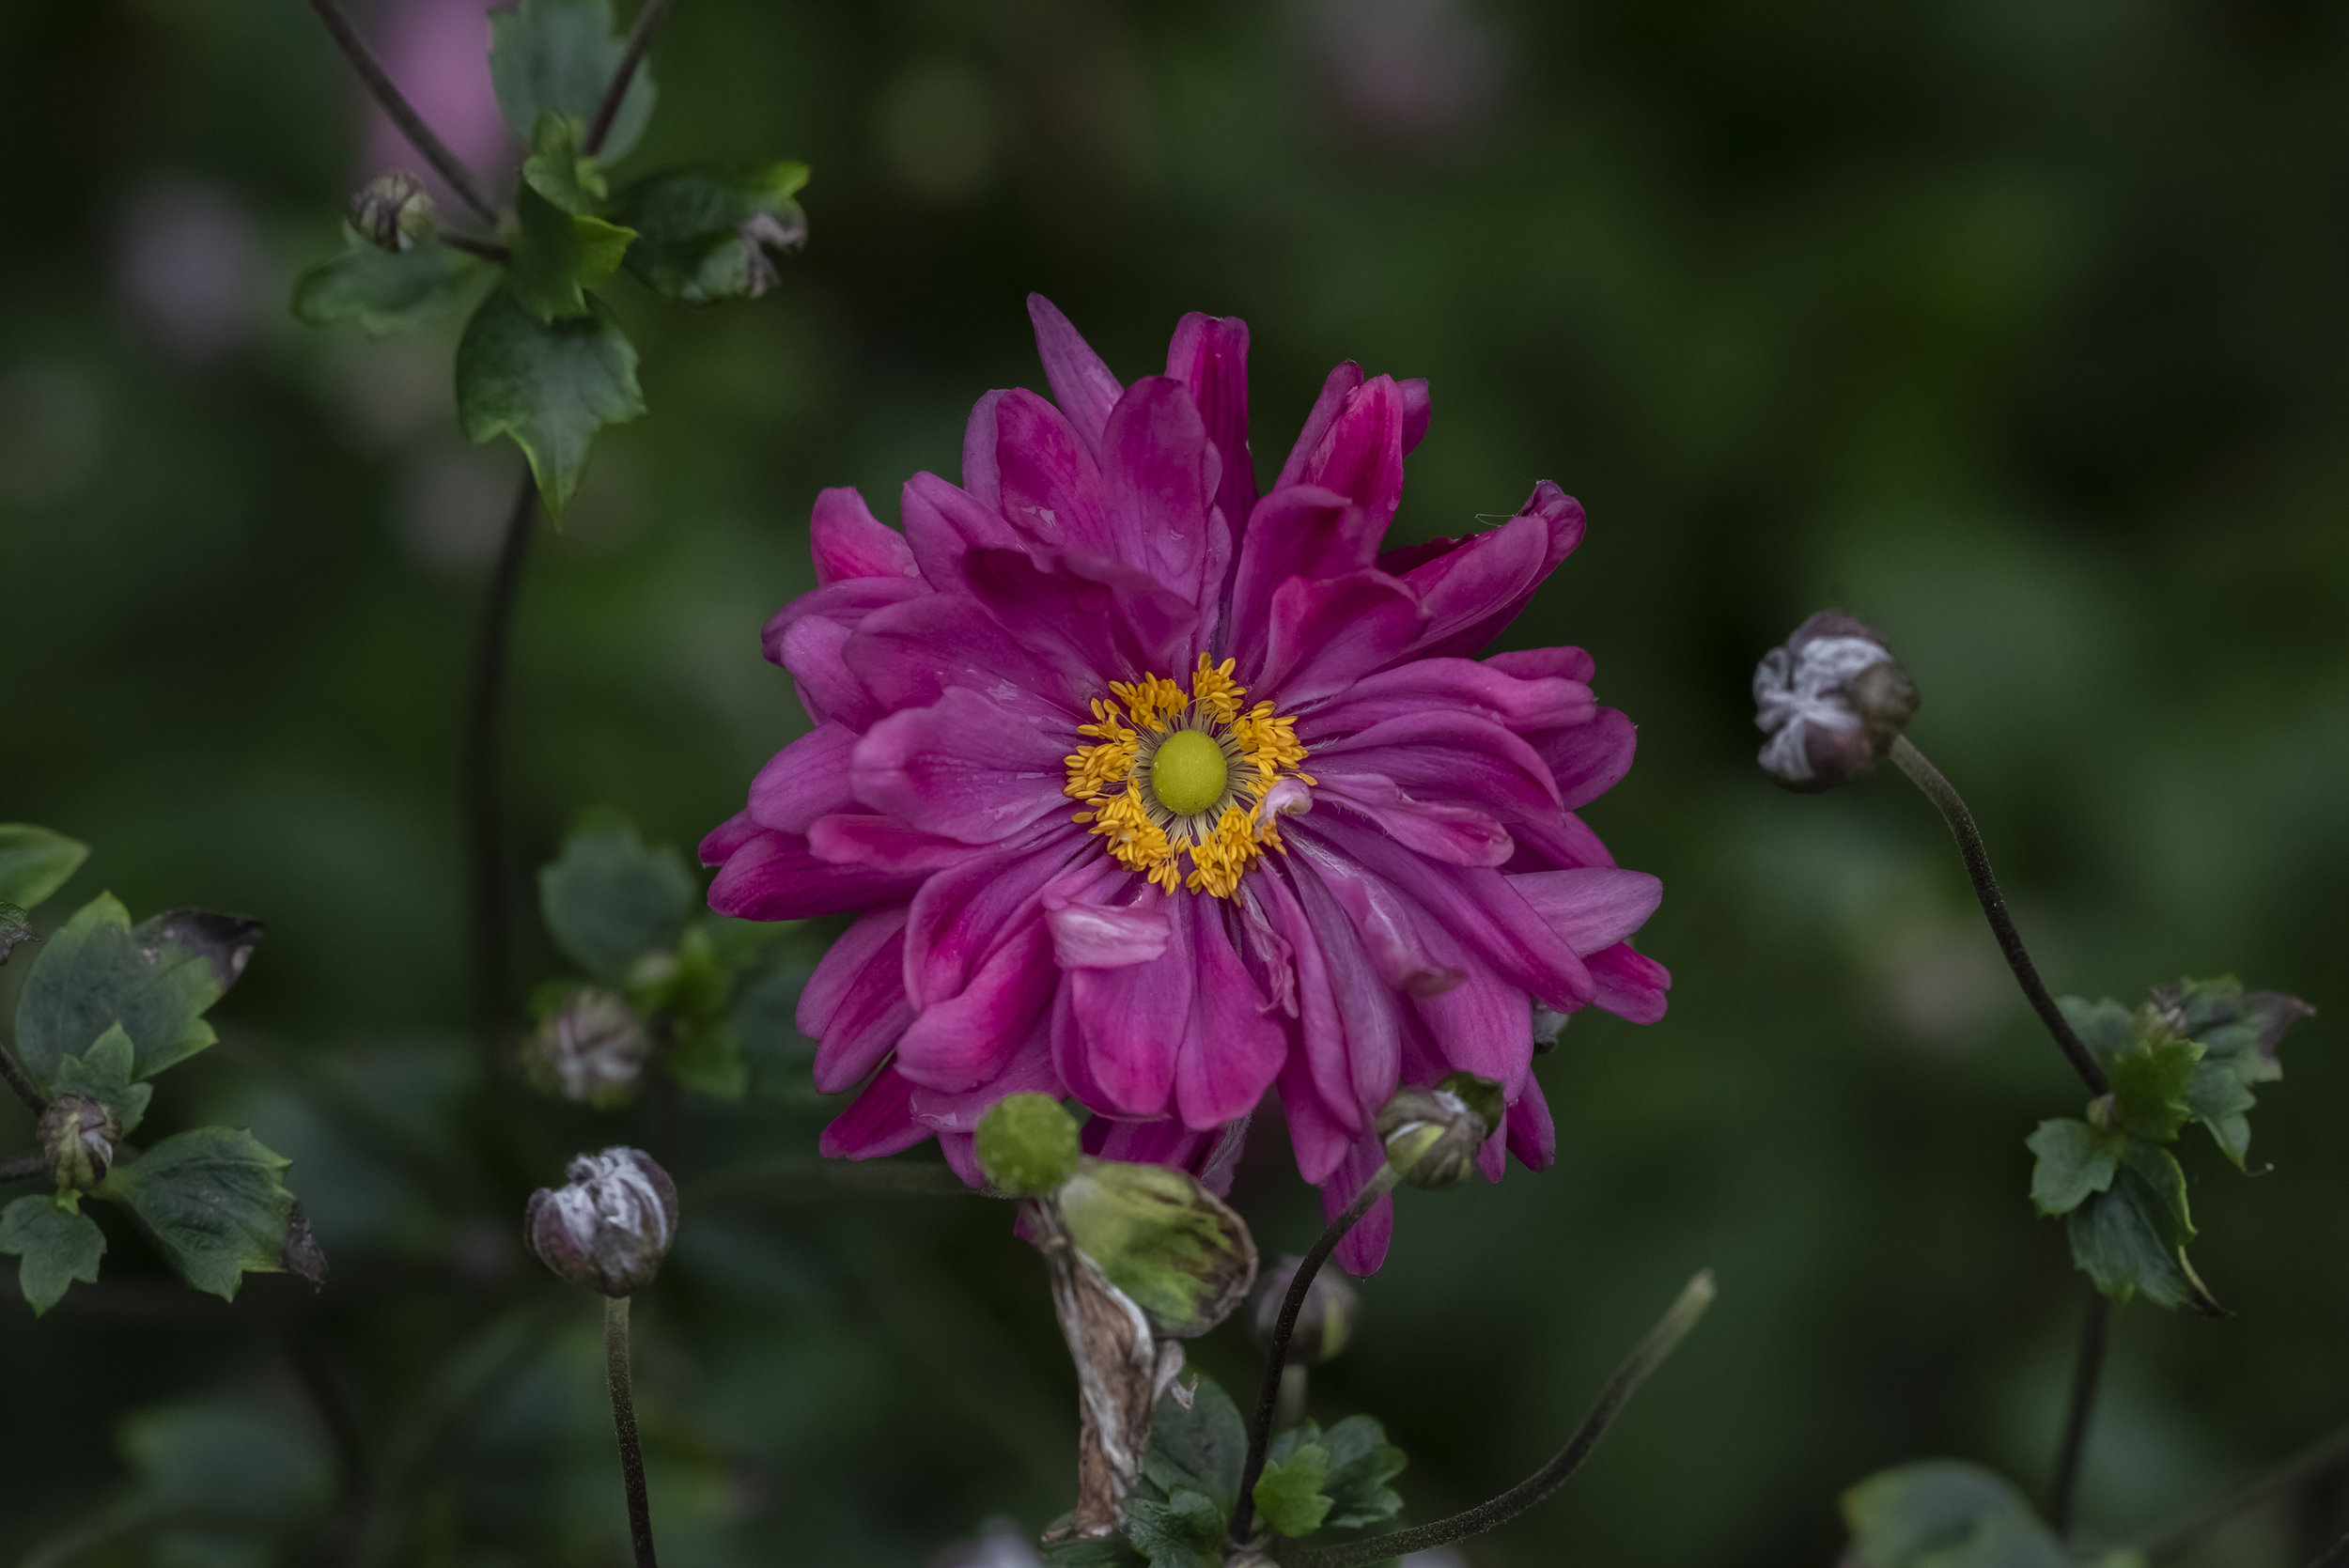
[
  {"x": 1321, "y": 1042},
  {"x": 1532, "y": 1135},
  {"x": 1132, "y": 1021},
  {"x": 1455, "y": 757},
  {"x": 1591, "y": 909},
  {"x": 909, "y": 654},
  {"x": 961, "y": 767},
  {"x": 806, "y": 780},
  {"x": 854, "y": 1005},
  {"x": 980, "y": 480},
  {"x": 1088, "y": 617},
  {"x": 807, "y": 637},
  {"x": 1051, "y": 488},
  {"x": 1319, "y": 1139},
  {"x": 882, "y": 843},
  {"x": 1160, "y": 474},
  {"x": 1474, "y": 586},
  {"x": 1629, "y": 985},
  {"x": 1304, "y": 531},
  {"x": 1231, "y": 1051},
  {"x": 721, "y": 842},
  {"x": 1484, "y": 1025},
  {"x": 944, "y": 521},
  {"x": 1452, "y": 685},
  {"x": 962, "y": 913},
  {"x": 961, "y": 1042},
  {"x": 1588, "y": 759},
  {"x": 1461, "y": 836},
  {"x": 1335, "y": 392},
  {"x": 1368, "y": 1008},
  {"x": 1209, "y": 356},
  {"x": 1324, "y": 636},
  {"x": 773, "y": 876},
  {"x": 878, "y": 1121},
  {"x": 1081, "y": 383},
  {"x": 1360, "y": 455},
  {"x": 1365, "y": 1245},
  {"x": 1029, "y": 1072},
  {"x": 1545, "y": 665},
  {"x": 1103, "y": 937},
  {"x": 849, "y": 542}
]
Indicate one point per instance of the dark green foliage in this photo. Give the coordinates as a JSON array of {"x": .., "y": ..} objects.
[
  {"x": 384, "y": 292},
  {"x": 557, "y": 57},
  {"x": 58, "y": 1243},
  {"x": 213, "y": 1203},
  {"x": 550, "y": 385},
  {"x": 156, "y": 981},
  {"x": 35, "y": 862},
  {"x": 610, "y": 900},
  {"x": 706, "y": 233}
]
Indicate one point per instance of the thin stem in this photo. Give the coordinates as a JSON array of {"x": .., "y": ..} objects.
[
  {"x": 484, "y": 844},
  {"x": 487, "y": 250},
  {"x": 638, "y": 39},
  {"x": 2087, "y": 1371},
  {"x": 2326, "y": 1453},
  {"x": 411, "y": 125},
  {"x": 1669, "y": 1331},
  {"x": 1283, "y": 1327},
  {"x": 22, "y": 1168},
  {"x": 624, "y": 1420},
  {"x": 1943, "y": 794},
  {"x": 35, "y": 1101}
]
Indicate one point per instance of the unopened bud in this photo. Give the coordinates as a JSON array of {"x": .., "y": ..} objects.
[
  {"x": 609, "y": 1226},
  {"x": 394, "y": 210},
  {"x": 591, "y": 1049},
  {"x": 1324, "y": 1323},
  {"x": 1832, "y": 701},
  {"x": 1433, "y": 1136},
  {"x": 1178, "y": 1250},
  {"x": 78, "y": 1137},
  {"x": 1027, "y": 1145}
]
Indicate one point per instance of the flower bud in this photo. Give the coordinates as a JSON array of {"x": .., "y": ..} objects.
[
  {"x": 1323, "y": 1323},
  {"x": 609, "y": 1226},
  {"x": 1832, "y": 701},
  {"x": 591, "y": 1049},
  {"x": 1180, "y": 1252},
  {"x": 1027, "y": 1145},
  {"x": 1433, "y": 1134},
  {"x": 78, "y": 1137},
  {"x": 394, "y": 210}
]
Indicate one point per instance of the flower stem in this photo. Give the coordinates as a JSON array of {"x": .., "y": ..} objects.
[
  {"x": 411, "y": 124},
  {"x": 639, "y": 41},
  {"x": 624, "y": 1420},
  {"x": 1943, "y": 794},
  {"x": 35, "y": 1101},
  {"x": 23, "y": 1167},
  {"x": 2325, "y": 1454},
  {"x": 1276, "y": 1353},
  {"x": 1645, "y": 1357},
  {"x": 484, "y": 844},
  {"x": 2087, "y": 1371},
  {"x": 487, "y": 250}
]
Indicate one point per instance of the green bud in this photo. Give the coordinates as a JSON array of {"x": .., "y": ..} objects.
[
  {"x": 78, "y": 1137},
  {"x": 1323, "y": 1323},
  {"x": 394, "y": 210},
  {"x": 1027, "y": 1145},
  {"x": 1433, "y": 1134},
  {"x": 1176, "y": 1249}
]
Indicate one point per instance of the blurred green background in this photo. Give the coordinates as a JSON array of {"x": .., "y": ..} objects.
[{"x": 2021, "y": 330}]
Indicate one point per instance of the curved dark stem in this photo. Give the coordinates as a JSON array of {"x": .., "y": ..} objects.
[
  {"x": 624, "y": 1419},
  {"x": 487, "y": 250},
  {"x": 420, "y": 135},
  {"x": 1943, "y": 794},
  {"x": 2326, "y": 1453},
  {"x": 23, "y": 1167},
  {"x": 484, "y": 844},
  {"x": 1283, "y": 1328},
  {"x": 2087, "y": 1371},
  {"x": 638, "y": 39},
  {"x": 1669, "y": 1331},
  {"x": 35, "y": 1101}
]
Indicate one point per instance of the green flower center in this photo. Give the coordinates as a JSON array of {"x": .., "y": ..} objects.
[{"x": 1189, "y": 773}]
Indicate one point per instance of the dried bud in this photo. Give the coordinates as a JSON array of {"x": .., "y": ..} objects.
[
  {"x": 609, "y": 1226},
  {"x": 394, "y": 210},
  {"x": 1433, "y": 1134},
  {"x": 78, "y": 1137},
  {"x": 1179, "y": 1250},
  {"x": 1832, "y": 701},
  {"x": 1027, "y": 1145},
  {"x": 765, "y": 235},
  {"x": 591, "y": 1049},
  {"x": 1323, "y": 1323}
]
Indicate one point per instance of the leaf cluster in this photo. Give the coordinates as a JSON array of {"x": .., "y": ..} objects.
[{"x": 107, "y": 1007}]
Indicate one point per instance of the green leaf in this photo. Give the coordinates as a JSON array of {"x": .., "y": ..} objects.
[
  {"x": 558, "y": 170},
  {"x": 2131, "y": 1238},
  {"x": 1183, "y": 1531},
  {"x": 2103, "y": 1026},
  {"x": 2074, "y": 1159},
  {"x": 610, "y": 899},
  {"x": 2148, "y": 1082},
  {"x": 1288, "y": 1494},
  {"x": 708, "y": 1058},
  {"x": 103, "y": 1073},
  {"x": 2241, "y": 1032},
  {"x": 156, "y": 981},
  {"x": 213, "y": 1203},
  {"x": 58, "y": 1243},
  {"x": 35, "y": 862},
  {"x": 557, "y": 56},
  {"x": 550, "y": 385},
  {"x": 16, "y": 928},
  {"x": 1177, "y": 1249},
  {"x": 1362, "y": 1462},
  {"x": 709, "y": 232},
  {"x": 1203, "y": 1448},
  {"x": 228, "y": 1460},
  {"x": 384, "y": 292},
  {"x": 1946, "y": 1514},
  {"x": 1106, "y": 1551},
  {"x": 559, "y": 255}
]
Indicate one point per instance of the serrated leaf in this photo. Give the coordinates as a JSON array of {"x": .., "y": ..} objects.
[
  {"x": 1183, "y": 1531},
  {"x": 2241, "y": 1032},
  {"x": 384, "y": 292},
  {"x": 550, "y": 385},
  {"x": 2103, "y": 1026},
  {"x": 1362, "y": 1462},
  {"x": 559, "y": 255},
  {"x": 156, "y": 981},
  {"x": 558, "y": 170},
  {"x": 2148, "y": 1078},
  {"x": 2074, "y": 1159},
  {"x": 1203, "y": 1448},
  {"x": 610, "y": 900},
  {"x": 35, "y": 862},
  {"x": 58, "y": 1245},
  {"x": 557, "y": 56},
  {"x": 1288, "y": 1494},
  {"x": 103, "y": 1073},
  {"x": 711, "y": 231},
  {"x": 1946, "y": 1514},
  {"x": 212, "y": 1201},
  {"x": 2131, "y": 1238}
]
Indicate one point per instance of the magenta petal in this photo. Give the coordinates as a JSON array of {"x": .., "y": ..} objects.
[
  {"x": 839, "y": 971},
  {"x": 943, "y": 522},
  {"x": 1368, "y": 1009},
  {"x": 1092, "y": 618},
  {"x": 1320, "y": 1024},
  {"x": 848, "y": 541},
  {"x": 1051, "y": 488},
  {"x": 1474, "y": 588},
  {"x": 1304, "y": 531},
  {"x": 807, "y": 637},
  {"x": 855, "y": 1005},
  {"x": 1461, "y": 836},
  {"x": 1418, "y": 409},
  {"x": 1591, "y": 909},
  {"x": 1133, "y": 1020},
  {"x": 1562, "y": 844},
  {"x": 961, "y": 767},
  {"x": 806, "y": 780},
  {"x": 1483, "y": 1026},
  {"x": 1390, "y": 938},
  {"x": 883, "y": 843},
  {"x": 1029, "y": 1072},
  {"x": 1360, "y": 455},
  {"x": 1165, "y": 1141},
  {"x": 878, "y": 1121},
  {"x": 775, "y": 878},
  {"x": 1629, "y": 985},
  {"x": 1161, "y": 475},
  {"x": 909, "y": 655},
  {"x": 1453, "y": 685},
  {"x": 1532, "y": 1135},
  {"x": 1365, "y": 1245},
  {"x": 1335, "y": 392},
  {"x": 722, "y": 842},
  {"x": 1324, "y": 636},
  {"x": 1455, "y": 757},
  {"x": 1545, "y": 665},
  {"x": 1231, "y": 1051},
  {"x": 1209, "y": 356},
  {"x": 962, "y": 913},
  {"x": 968, "y": 1038},
  {"x": 1101, "y": 936},
  {"x": 961, "y": 1150},
  {"x": 1588, "y": 760},
  {"x": 1081, "y": 383},
  {"x": 980, "y": 480},
  {"x": 1319, "y": 1139}
]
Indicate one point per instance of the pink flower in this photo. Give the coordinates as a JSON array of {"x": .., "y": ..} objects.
[{"x": 1156, "y": 792}]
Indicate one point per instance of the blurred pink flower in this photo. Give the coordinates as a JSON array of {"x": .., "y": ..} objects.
[{"x": 436, "y": 53}]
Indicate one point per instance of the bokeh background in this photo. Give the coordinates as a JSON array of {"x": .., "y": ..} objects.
[{"x": 2021, "y": 330}]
